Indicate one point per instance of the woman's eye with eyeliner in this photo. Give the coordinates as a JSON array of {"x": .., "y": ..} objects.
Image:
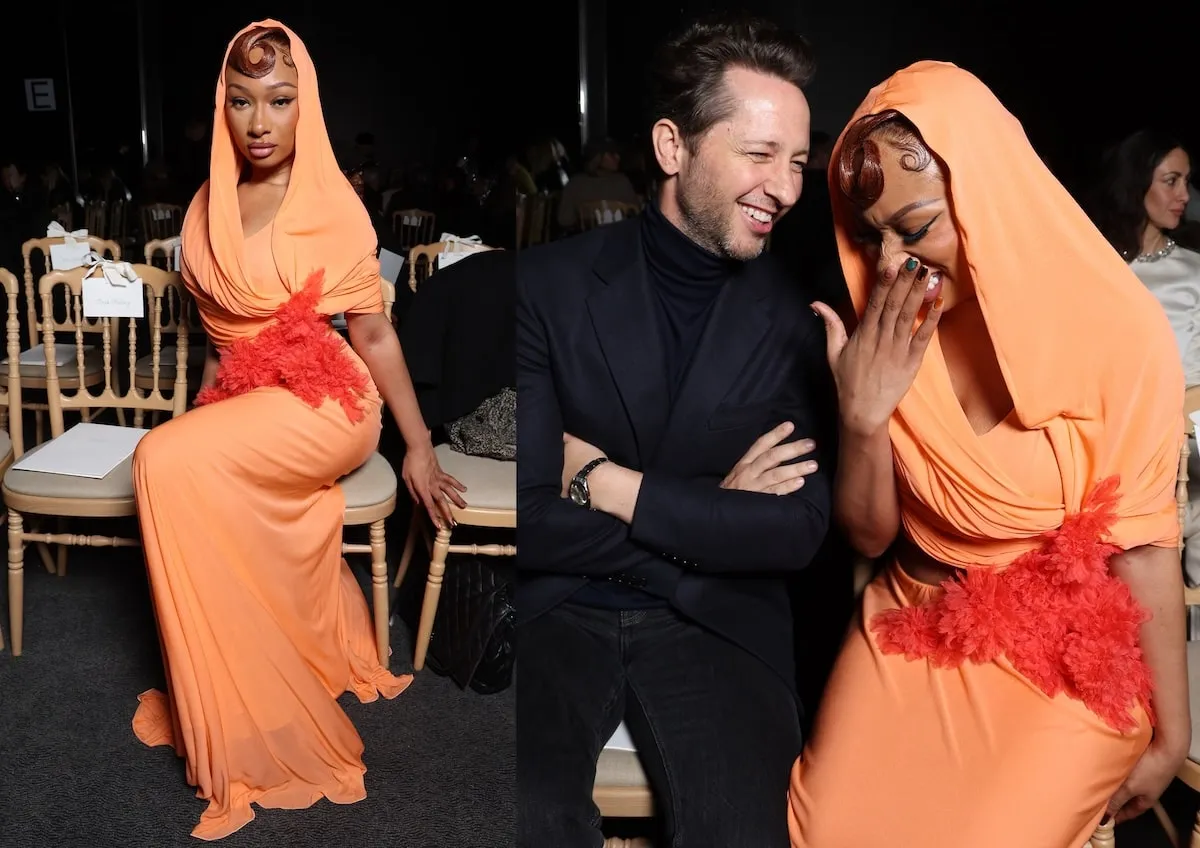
[{"x": 913, "y": 238}]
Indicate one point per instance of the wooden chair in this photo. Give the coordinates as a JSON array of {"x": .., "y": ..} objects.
[
  {"x": 370, "y": 494},
  {"x": 42, "y": 494},
  {"x": 161, "y": 220},
  {"x": 11, "y": 441},
  {"x": 491, "y": 502},
  {"x": 413, "y": 227},
  {"x": 533, "y": 219},
  {"x": 1189, "y": 772},
  {"x": 173, "y": 311},
  {"x": 59, "y": 314},
  {"x": 369, "y": 491},
  {"x": 107, "y": 219},
  {"x": 621, "y": 791},
  {"x": 600, "y": 212},
  {"x": 423, "y": 261}
]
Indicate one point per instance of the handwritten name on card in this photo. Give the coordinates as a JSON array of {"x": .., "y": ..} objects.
[
  {"x": 111, "y": 296},
  {"x": 68, "y": 255}
]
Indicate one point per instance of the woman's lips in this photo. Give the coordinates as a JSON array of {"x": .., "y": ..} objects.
[{"x": 261, "y": 151}]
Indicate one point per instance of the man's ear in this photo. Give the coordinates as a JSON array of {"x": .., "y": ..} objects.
[{"x": 669, "y": 148}]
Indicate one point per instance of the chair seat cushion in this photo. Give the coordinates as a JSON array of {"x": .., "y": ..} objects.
[
  {"x": 93, "y": 363},
  {"x": 491, "y": 483},
  {"x": 371, "y": 483},
  {"x": 118, "y": 484},
  {"x": 166, "y": 363},
  {"x": 619, "y": 768}
]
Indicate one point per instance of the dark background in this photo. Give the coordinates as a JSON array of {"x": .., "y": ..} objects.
[{"x": 425, "y": 76}]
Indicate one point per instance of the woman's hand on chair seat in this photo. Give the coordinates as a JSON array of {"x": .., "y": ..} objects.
[{"x": 431, "y": 487}]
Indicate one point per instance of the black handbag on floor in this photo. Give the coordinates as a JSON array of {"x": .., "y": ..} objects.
[{"x": 473, "y": 632}]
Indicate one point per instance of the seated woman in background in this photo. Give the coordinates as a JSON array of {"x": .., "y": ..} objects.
[
  {"x": 1142, "y": 199},
  {"x": 1010, "y": 406}
]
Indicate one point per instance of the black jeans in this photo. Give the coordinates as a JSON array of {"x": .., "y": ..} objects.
[{"x": 717, "y": 731}]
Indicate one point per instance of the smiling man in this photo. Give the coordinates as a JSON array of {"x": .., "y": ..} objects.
[{"x": 672, "y": 382}]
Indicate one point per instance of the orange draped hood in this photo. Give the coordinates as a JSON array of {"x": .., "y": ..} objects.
[
  {"x": 322, "y": 226},
  {"x": 1085, "y": 350}
]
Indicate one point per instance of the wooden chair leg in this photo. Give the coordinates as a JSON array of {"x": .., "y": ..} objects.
[
  {"x": 16, "y": 581},
  {"x": 61, "y": 553},
  {"x": 1104, "y": 837},
  {"x": 1164, "y": 819},
  {"x": 379, "y": 589},
  {"x": 433, "y": 591}
]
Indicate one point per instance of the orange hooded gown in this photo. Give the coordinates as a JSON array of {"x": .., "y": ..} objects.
[
  {"x": 261, "y": 622},
  {"x": 1008, "y": 708}
]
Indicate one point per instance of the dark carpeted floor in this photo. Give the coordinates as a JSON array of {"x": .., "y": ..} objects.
[{"x": 440, "y": 765}]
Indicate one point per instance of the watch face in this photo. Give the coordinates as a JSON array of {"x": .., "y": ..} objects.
[{"x": 579, "y": 493}]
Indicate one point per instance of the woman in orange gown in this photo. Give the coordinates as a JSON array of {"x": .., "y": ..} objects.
[
  {"x": 1011, "y": 410},
  {"x": 262, "y": 624}
]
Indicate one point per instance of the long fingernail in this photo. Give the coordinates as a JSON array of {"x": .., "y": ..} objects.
[
  {"x": 911, "y": 264},
  {"x": 937, "y": 304},
  {"x": 922, "y": 274}
]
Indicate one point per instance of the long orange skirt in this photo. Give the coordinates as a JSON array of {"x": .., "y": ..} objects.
[
  {"x": 262, "y": 624},
  {"x": 914, "y": 756}
]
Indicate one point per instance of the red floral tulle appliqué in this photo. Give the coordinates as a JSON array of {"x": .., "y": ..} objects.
[
  {"x": 1057, "y": 613},
  {"x": 296, "y": 352}
]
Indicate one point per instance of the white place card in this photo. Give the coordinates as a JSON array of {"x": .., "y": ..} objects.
[
  {"x": 448, "y": 257},
  {"x": 68, "y": 255},
  {"x": 390, "y": 265},
  {"x": 621, "y": 740},
  {"x": 86, "y": 450},
  {"x": 110, "y": 295}
]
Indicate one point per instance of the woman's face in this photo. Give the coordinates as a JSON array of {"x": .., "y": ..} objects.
[
  {"x": 913, "y": 217},
  {"x": 262, "y": 114},
  {"x": 1168, "y": 194}
]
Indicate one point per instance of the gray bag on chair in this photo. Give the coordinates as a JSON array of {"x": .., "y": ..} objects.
[{"x": 490, "y": 431}]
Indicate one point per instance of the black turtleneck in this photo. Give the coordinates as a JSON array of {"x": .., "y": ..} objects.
[{"x": 686, "y": 280}]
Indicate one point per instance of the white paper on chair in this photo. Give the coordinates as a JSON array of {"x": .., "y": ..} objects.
[
  {"x": 86, "y": 450},
  {"x": 177, "y": 258},
  {"x": 620, "y": 740},
  {"x": 390, "y": 265},
  {"x": 36, "y": 355},
  {"x": 1195, "y": 416},
  {"x": 70, "y": 254},
  {"x": 110, "y": 295}
]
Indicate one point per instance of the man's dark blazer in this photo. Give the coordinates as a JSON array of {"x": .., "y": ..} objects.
[{"x": 590, "y": 362}]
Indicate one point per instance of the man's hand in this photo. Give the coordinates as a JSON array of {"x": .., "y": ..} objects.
[
  {"x": 576, "y": 454},
  {"x": 762, "y": 469}
]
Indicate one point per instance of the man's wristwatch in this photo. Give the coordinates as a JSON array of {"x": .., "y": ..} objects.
[{"x": 578, "y": 490}]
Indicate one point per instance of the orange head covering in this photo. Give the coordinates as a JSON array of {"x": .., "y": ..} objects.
[
  {"x": 321, "y": 225},
  {"x": 1085, "y": 350}
]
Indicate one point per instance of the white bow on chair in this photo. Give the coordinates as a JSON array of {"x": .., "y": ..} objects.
[
  {"x": 56, "y": 230},
  {"x": 117, "y": 273}
]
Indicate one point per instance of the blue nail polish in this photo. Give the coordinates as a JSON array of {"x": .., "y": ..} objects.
[{"x": 911, "y": 264}]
